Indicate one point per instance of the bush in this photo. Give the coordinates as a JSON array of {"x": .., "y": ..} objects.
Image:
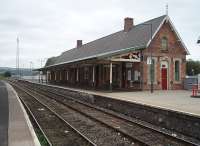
[
  {"x": 7, "y": 74},
  {"x": 192, "y": 67}
]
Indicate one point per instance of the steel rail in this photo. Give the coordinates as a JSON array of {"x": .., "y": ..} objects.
[
  {"x": 97, "y": 120},
  {"x": 32, "y": 115},
  {"x": 134, "y": 122},
  {"x": 60, "y": 117},
  {"x": 126, "y": 134}
]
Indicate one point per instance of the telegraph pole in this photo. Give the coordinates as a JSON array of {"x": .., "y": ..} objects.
[
  {"x": 17, "y": 58},
  {"x": 31, "y": 70},
  {"x": 151, "y": 57}
]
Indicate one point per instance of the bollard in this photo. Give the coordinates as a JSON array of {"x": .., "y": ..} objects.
[{"x": 192, "y": 90}]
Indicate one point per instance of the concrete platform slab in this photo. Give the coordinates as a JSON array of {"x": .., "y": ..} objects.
[
  {"x": 178, "y": 100},
  {"x": 20, "y": 130}
]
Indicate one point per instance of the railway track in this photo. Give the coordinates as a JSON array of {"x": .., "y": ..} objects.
[
  {"x": 57, "y": 131},
  {"x": 98, "y": 133},
  {"x": 132, "y": 131}
]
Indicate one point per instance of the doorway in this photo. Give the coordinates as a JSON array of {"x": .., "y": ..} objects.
[{"x": 164, "y": 75}]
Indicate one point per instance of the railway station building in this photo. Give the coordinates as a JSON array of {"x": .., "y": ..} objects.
[{"x": 130, "y": 59}]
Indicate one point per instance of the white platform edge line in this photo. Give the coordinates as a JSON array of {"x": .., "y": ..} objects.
[{"x": 30, "y": 126}]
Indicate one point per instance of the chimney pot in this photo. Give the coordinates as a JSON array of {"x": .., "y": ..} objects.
[
  {"x": 79, "y": 43},
  {"x": 128, "y": 24}
]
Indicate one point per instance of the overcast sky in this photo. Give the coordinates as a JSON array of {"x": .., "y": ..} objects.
[{"x": 46, "y": 28}]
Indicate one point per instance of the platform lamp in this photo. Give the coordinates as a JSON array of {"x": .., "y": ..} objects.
[{"x": 151, "y": 65}]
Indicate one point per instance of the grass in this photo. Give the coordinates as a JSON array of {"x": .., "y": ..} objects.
[
  {"x": 2, "y": 77},
  {"x": 41, "y": 137}
]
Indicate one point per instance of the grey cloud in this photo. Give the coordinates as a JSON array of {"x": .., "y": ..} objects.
[{"x": 46, "y": 28}]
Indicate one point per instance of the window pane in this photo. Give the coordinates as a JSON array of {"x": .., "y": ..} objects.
[
  {"x": 177, "y": 72},
  {"x": 164, "y": 43}
]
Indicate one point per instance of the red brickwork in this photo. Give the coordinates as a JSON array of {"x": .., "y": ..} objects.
[{"x": 174, "y": 52}]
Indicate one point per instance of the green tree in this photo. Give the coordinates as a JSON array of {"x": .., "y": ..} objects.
[
  {"x": 7, "y": 74},
  {"x": 192, "y": 67}
]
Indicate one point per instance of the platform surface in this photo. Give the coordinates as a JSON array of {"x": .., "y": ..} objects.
[
  {"x": 177, "y": 100},
  {"x": 3, "y": 115},
  {"x": 17, "y": 129}
]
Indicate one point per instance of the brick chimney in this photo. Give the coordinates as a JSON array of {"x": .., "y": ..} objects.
[
  {"x": 128, "y": 24},
  {"x": 79, "y": 43}
]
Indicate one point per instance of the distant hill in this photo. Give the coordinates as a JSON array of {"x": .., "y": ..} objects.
[{"x": 13, "y": 71}]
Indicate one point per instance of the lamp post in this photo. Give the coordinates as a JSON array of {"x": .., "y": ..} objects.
[
  {"x": 151, "y": 65},
  {"x": 40, "y": 72},
  {"x": 31, "y": 69},
  {"x": 17, "y": 59}
]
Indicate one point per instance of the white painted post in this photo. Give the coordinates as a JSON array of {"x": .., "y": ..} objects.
[
  {"x": 111, "y": 76},
  {"x": 93, "y": 75},
  {"x": 55, "y": 75}
]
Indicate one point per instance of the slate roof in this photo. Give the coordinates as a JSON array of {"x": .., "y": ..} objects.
[{"x": 137, "y": 38}]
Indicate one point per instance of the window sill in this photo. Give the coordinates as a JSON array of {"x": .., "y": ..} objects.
[
  {"x": 149, "y": 83},
  {"x": 177, "y": 82}
]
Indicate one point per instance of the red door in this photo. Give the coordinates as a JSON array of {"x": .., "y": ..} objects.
[{"x": 164, "y": 78}]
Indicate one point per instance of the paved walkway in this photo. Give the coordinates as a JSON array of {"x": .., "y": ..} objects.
[
  {"x": 15, "y": 127},
  {"x": 177, "y": 100},
  {"x": 3, "y": 115}
]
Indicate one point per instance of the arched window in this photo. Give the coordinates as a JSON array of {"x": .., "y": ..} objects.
[{"x": 164, "y": 43}]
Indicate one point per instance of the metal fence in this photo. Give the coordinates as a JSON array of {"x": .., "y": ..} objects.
[{"x": 190, "y": 81}]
